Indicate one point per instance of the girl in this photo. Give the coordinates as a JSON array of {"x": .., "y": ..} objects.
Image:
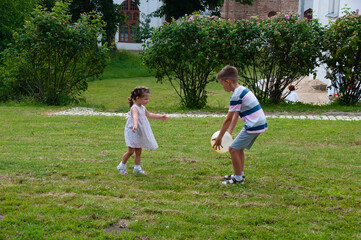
[{"x": 138, "y": 133}]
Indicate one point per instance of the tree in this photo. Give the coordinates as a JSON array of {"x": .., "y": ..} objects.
[
  {"x": 185, "y": 52},
  {"x": 109, "y": 11},
  {"x": 342, "y": 47},
  {"x": 282, "y": 50},
  {"x": 12, "y": 15},
  {"x": 144, "y": 30},
  {"x": 52, "y": 57},
  {"x": 176, "y": 9}
]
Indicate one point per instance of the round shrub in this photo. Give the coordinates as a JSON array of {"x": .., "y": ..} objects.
[
  {"x": 343, "y": 56},
  {"x": 52, "y": 58}
]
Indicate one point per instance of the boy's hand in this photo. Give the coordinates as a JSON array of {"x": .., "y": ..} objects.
[
  {"x": 164, "y": 118},
  {"x": 217, "y": 144}
]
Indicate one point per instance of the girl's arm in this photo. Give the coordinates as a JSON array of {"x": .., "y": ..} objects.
[
  {"x": 156, "y": 116},
  {"x": 135, "y": 118}
]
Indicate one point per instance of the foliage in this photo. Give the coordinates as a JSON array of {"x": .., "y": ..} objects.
[
  {"x": 52, "y": 58},
  {"x": 343, "y": 56},
  {"x": 176, "y": 9},
  {"x": 186, "y": 52},
  {"x": 281, "y": 51},
  {"x": 269, "y": 53},
  {"x": 12, "y": 16},
  {"x": 111, "y": 14},
  {"x": 144, "y": 30},
  {"x": 109, "y": 11}
]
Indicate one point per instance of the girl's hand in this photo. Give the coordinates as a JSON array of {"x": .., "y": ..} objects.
[
  {"x": 164, "y": 118},
  {"x": 134, "y": 128}
]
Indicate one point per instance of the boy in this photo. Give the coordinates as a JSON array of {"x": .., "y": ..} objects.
[{"x": 243, "y": 104}]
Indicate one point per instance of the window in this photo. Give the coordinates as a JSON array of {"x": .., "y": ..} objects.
[
  {"x": 307, "y": 15},
  {"x": 133, "y": 31},
  {"x": 128, "y": 30},
  {"x": 133, "y": 6},
  {"x": 135, "y": 16},
  {"x": 125, "y": 5},
  {"x": 333, "y": 8},
  {"x": 123, "y": 33},
  {"x": 271, "y": 14}
]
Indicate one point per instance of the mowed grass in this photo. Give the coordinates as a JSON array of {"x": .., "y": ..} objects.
[
  {"x": 58, "y": 180},
  {"x": 112, "y": 95}
]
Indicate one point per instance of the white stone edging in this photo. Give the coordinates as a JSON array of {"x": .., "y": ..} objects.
[{"x": 82, "y": 111}]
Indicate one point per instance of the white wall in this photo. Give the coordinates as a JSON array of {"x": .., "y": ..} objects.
[{"x": 321, "y": 10}]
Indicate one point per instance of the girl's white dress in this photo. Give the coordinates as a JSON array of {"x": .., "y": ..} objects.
[{"x": 143, "y": 136}]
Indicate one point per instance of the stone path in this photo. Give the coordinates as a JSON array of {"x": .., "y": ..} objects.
[{"x": 81, "y": 111}]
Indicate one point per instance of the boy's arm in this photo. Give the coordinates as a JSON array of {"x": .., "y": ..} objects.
[
  {"x": 226, "y": 123},
  {"x": 135, "y": 118},
  {"x": 156, "y": 116},
  {"x": 233, "y": 123}
]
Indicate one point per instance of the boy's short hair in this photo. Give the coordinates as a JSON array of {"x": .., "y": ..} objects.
[
  {"x": 228, "y": 73},
  {"x": 291, "y": 88}
]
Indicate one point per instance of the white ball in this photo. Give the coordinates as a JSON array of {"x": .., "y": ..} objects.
[{"x": 226, "y": 142}]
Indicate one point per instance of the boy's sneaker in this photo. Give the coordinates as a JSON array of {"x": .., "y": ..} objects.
[
  {"x": 229, "y": 177},
  {"x": 140, "y": 171},
  {"x": 232, "y": 180}
]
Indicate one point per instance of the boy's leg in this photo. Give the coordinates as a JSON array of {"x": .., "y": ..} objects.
[
  {"x": 242, "y": 141},
  {"x": 237, "y": 160}
]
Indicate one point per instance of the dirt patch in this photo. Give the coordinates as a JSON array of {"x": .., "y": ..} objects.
[
  {"x": 120, "y": 226},
  {"x": 1, "y": 217},
  {"x": 312, "y": 91}
]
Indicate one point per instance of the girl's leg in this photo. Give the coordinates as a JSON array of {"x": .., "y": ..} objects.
[
  {"x": 127, "y": 155},
  {"x": 137, "y": 168},
  {"x": 138, "y": 152},
  {"x": 122, "y": 167}
]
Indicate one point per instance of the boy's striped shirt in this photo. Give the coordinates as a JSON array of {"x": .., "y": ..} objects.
[{"x": 246, "y": 104}]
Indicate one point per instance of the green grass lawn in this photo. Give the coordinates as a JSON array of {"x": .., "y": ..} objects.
[
  {"x": 58, "y": 180},
  {"x": 58, "y": 177}
]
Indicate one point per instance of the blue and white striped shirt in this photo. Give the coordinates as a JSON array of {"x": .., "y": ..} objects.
[{"x": 246, "y": 104}]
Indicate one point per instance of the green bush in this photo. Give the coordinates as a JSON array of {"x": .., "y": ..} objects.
[
  {"x": 185, "y": 52},
  {"x": 343, "y": 56},
  {"x": 281, "y": 51},
  {"x": 12, "y": 15},
  {"x": 52, "y": 58}
]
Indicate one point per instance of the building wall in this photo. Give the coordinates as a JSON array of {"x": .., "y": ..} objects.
[
  {"x": 146, "y": 7},
  {"x": 321, "y": 11},
  {"x": 234, "y": 10}
]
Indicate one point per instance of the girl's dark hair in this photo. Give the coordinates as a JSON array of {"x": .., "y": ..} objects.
[
  {"x": 137, "y": 92},
  {"x": 291, "y": 88}
]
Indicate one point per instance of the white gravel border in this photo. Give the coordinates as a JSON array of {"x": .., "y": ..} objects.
[{"x": 82, "y": 111}]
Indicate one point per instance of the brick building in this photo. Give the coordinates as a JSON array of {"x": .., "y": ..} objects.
[{"x": 263, "y": 8}]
